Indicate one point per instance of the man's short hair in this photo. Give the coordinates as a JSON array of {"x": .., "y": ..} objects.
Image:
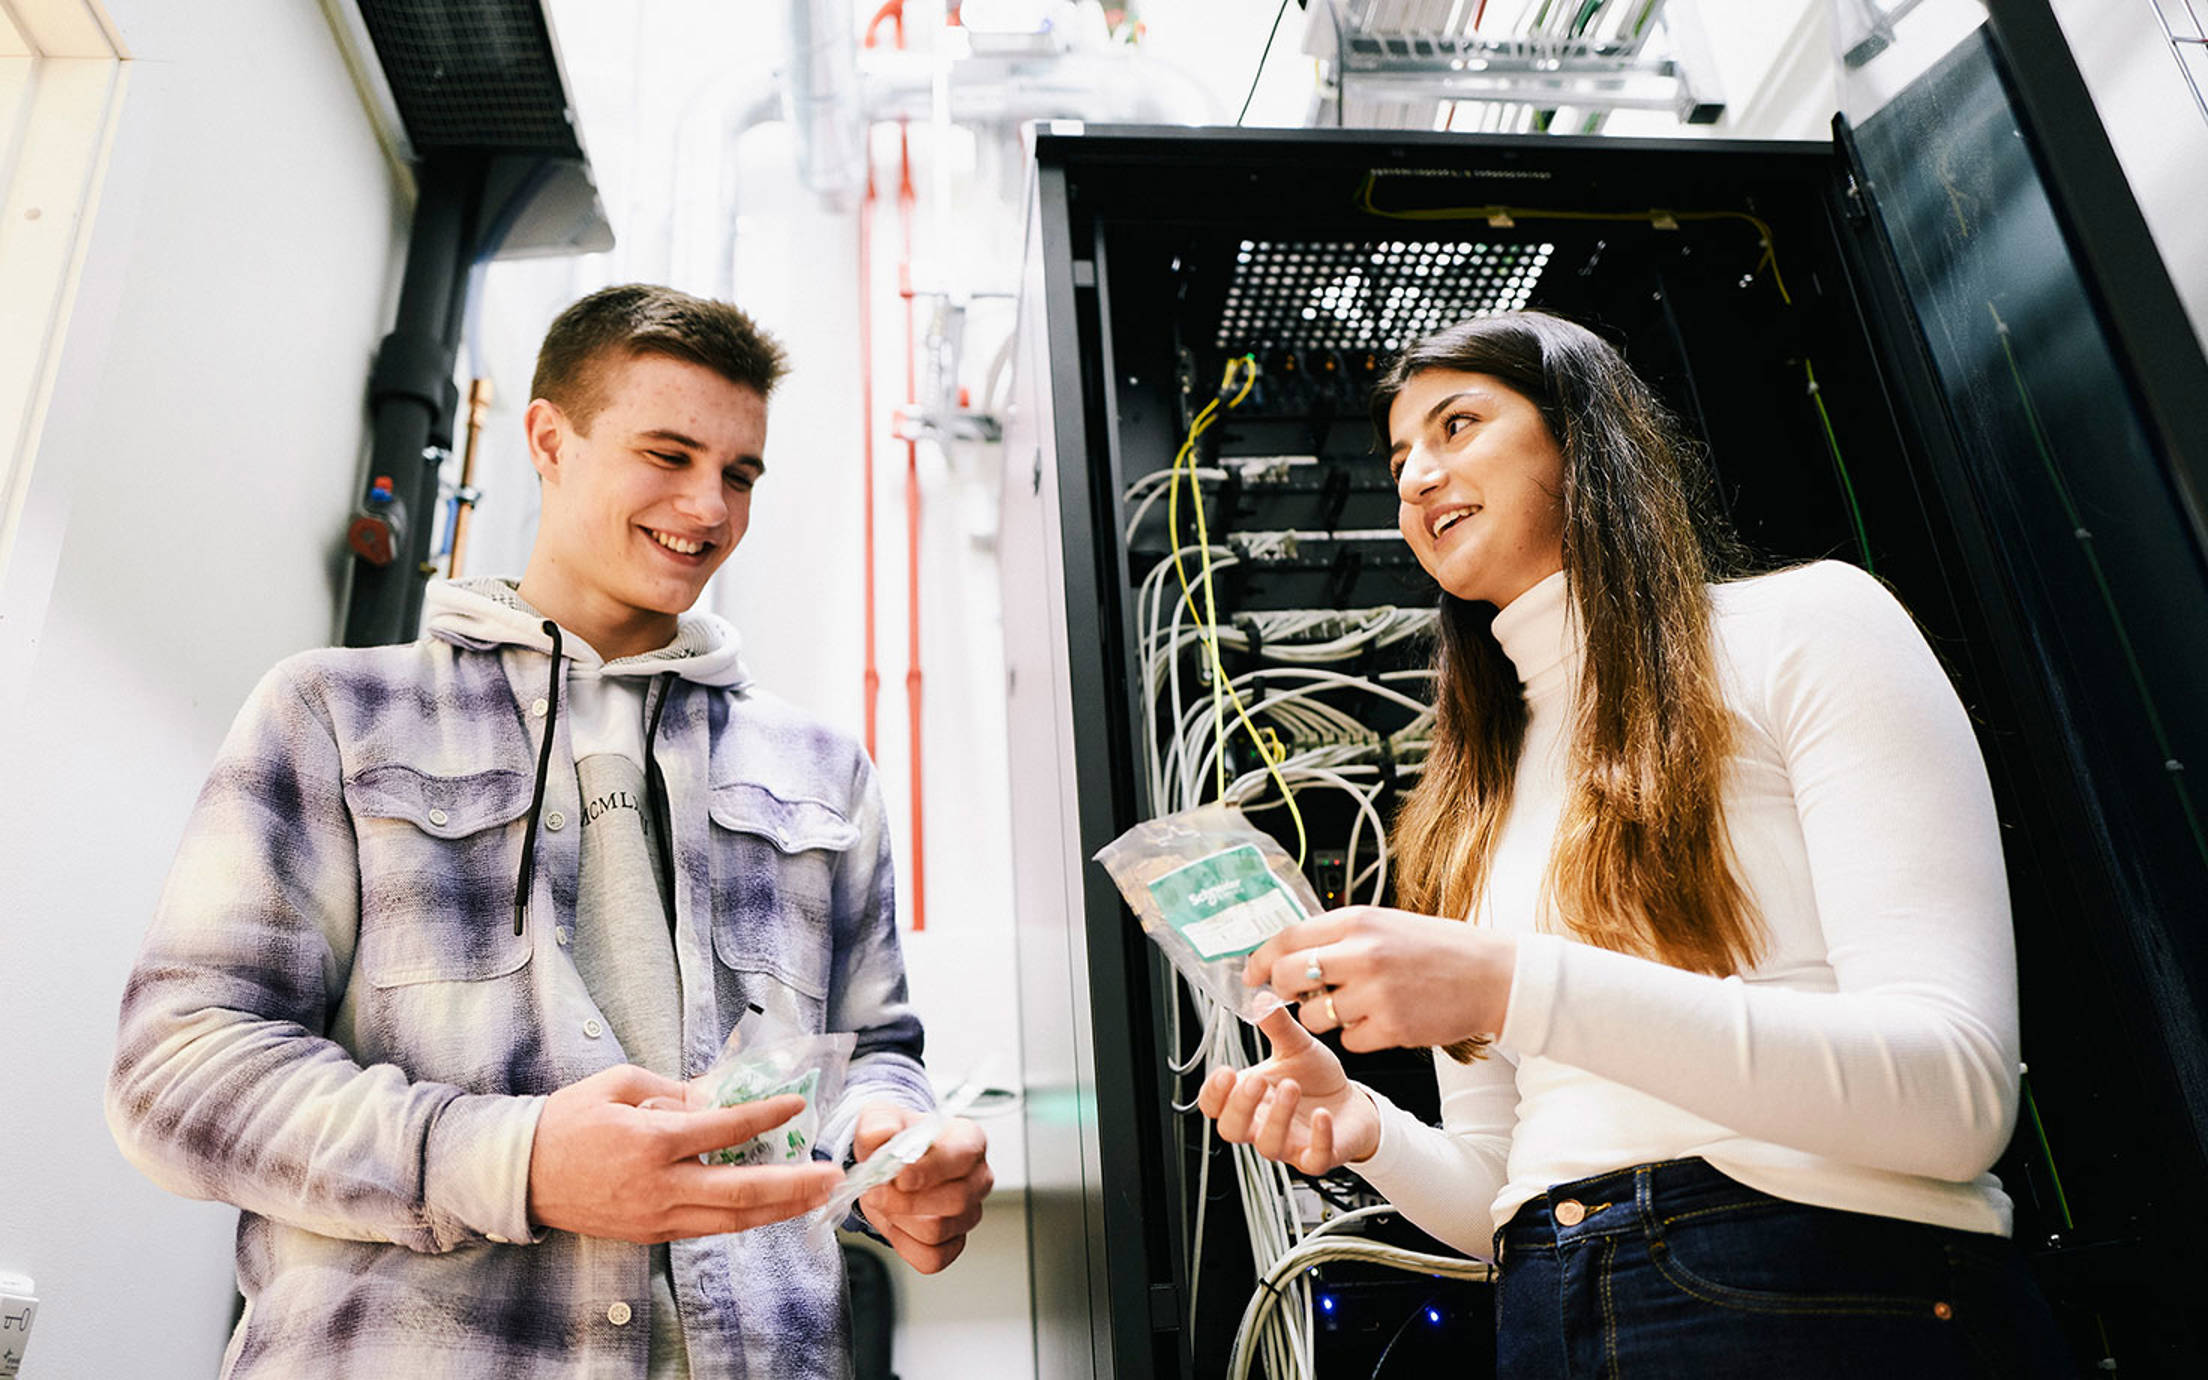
[{"x": 643, "y": 318}]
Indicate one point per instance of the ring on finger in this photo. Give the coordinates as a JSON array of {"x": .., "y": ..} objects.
[
  {"x": 1333, "y": 1017},
  {"x": 1313, "y": 975}
]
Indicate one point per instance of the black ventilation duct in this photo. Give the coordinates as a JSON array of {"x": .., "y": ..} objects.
[
  {"x": 474, "y": 77},
  {"x": 476, "y": 86}
]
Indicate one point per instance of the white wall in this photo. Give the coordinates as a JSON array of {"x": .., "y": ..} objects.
[{"x": 200, "y": 453}]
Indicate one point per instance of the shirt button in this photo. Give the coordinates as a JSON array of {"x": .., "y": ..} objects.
[
  {"x": 563, "y": 935},
  {"x": 593, "y": 1029},
  {"x": 555, "y": 821},
  {"x": 496, "y": 1239},
  {"x": 618, "y": 1315},
  {"x": 438, "y": 817},
  {"x": 1570, "y": 1213},
  {"x": 538, "y": 707}
]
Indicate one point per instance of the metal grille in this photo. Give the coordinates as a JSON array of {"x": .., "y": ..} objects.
[
  {"x": 1372, "y": 295},
  {"x": 473, "y": 74}
]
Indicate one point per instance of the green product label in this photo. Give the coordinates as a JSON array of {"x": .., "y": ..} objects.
[
  {"x": 790, "y": 1144},
  {"x": 1226, "y": 904}
]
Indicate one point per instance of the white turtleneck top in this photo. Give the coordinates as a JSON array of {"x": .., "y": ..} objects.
[{"x": 1869, "y": 1060}]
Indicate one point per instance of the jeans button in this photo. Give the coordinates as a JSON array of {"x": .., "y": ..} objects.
[{"x": 1570, "y": 1213}]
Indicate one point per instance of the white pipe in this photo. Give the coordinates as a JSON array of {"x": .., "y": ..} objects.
[
  {"x": 822, "y": 85},
  {"x": 1121, "y": 85}
]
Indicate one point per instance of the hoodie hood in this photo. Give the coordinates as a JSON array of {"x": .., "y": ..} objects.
[{"x": 482, "y": 612}]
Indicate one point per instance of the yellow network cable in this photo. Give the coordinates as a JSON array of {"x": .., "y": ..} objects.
[
  {"x": 1210, "y": 626},
  {"x": 1663, "y": 220},
  {"x": 1207, "y": 617},
  {"x": 1505, "y": 215}
]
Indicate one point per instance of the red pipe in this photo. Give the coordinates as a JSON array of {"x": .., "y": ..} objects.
[
  {"x": 866, "y": 414},
  {"x": 913, "y": 679},
  {"x": 893, "y": 11}
]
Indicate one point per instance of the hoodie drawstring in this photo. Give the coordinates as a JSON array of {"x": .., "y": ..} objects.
[
  {"x": 655, "y": 789},
  {"x": 536, "y": 800}
]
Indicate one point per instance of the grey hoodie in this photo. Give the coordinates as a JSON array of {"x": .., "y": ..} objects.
[
  {"x": 602, "y": 700},
  {"x": 621, "y": 944}
]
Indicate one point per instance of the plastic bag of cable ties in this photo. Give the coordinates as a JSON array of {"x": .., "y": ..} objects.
[
  {"x": 1209, "y": 887},
  {"x": 889, "y": 1159},
  {"x": 766, "y": 1056}
]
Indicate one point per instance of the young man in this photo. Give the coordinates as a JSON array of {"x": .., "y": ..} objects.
[{"x": 448, "y": 915}]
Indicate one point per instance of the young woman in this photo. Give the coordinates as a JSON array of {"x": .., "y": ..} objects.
[{"x": 1729, "y": 1041}]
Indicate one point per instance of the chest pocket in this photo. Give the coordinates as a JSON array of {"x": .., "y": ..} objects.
[
  {"x": 438, "y": 857},
  {"x": 774, "y": 884}
]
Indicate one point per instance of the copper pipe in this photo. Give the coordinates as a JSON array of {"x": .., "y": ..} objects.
[
  {"x": 905, "y": 212},
  {"x": 463, "y": 499}
]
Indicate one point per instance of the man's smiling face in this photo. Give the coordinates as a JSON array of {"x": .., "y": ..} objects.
[{"x": 646, "y": 499}]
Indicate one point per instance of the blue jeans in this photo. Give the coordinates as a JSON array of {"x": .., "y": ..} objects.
[{"x": 1673, "y": 1270}]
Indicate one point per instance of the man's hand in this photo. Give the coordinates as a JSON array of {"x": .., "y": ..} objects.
[
  {"x": 604, "y": 1166},
  {"x": 926, "y": 1211}
]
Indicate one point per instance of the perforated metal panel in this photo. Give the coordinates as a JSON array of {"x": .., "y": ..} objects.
[
  {"x": 1373, "y": 294},
  {"x": 473, "y": 75}
]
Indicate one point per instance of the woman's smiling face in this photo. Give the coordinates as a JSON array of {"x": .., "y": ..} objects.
[{"x": 1480, "y": 484}]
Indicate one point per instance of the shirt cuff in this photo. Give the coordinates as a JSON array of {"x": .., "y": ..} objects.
[
  {"x": 475, "y": 1173},
  {"x": 1535, "y": 979},
  {"x": 1388, "y": 1152},
  {"x": 892, "y": 1079}
]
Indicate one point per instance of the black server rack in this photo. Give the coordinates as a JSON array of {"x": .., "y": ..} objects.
[{"x": 1940, "y": 346}]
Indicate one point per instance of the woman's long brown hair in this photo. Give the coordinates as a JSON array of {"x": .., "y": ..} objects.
[{"x": 1641, "y": 863}]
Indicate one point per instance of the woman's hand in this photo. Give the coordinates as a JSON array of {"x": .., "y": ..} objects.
[
  {"x": 1388, "y": 977},
  {"x": 1297, "y": 1107}
]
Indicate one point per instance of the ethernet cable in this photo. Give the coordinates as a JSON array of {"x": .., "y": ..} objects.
[
  {"x": 1219, "y": 696},
  {"x": 1318, "y": 1250},
  {"x": 1151, "y": 486},
  {"x": 1312, "y": 741}
]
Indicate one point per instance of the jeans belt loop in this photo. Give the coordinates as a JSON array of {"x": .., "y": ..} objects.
[{"x": 1644, "y": 1201}]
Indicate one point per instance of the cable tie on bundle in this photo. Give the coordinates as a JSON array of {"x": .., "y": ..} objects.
[{"x": 1255, "y": 632}]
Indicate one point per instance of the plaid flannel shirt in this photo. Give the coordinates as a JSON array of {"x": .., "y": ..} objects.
[{"x": 334, "y": 1025}]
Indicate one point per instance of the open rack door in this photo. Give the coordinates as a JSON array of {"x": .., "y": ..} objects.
[{"x": 2034, "y": 330}]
